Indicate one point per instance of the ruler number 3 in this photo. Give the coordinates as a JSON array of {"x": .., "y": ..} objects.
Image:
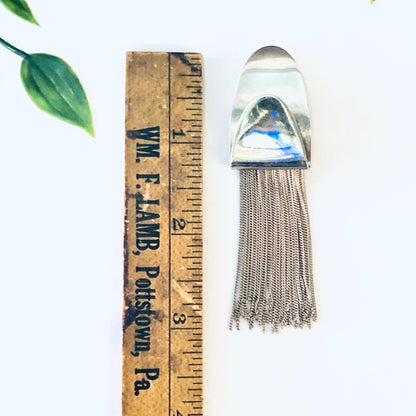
[{"x": 179, "y": 319}]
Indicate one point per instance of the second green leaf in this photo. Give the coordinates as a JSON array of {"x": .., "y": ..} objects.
[{"x": 55, "y": 88}]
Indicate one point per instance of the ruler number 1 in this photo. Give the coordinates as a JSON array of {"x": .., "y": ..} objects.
[
  {"x": 179, "y": 319},
  {"x": 178, "y": 133}
]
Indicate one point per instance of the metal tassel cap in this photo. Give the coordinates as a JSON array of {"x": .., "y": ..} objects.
[{"x": 270, "y": 121}]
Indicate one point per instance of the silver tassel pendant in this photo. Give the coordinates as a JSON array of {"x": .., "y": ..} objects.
[{"x": 271, "y": 145}]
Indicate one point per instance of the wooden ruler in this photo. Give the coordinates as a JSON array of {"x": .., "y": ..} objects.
[{"x": 162, "y": 336}]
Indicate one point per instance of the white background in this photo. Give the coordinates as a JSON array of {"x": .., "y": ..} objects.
[{"x": 61, "y": 208}]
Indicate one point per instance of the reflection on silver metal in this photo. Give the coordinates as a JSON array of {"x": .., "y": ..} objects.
[{"x": 270, "y": 123}]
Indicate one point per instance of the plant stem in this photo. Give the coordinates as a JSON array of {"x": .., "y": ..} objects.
[{"x": 12, "y": 48}]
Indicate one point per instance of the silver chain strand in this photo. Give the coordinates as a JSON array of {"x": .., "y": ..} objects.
[{"x": 274, "y": 284}]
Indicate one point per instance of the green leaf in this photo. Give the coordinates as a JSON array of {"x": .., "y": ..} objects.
[
  {"x": 21, "y": 9},
  {"x": 55, "y": 88}
]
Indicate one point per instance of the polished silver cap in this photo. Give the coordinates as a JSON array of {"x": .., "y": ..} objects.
[{"x": 270, "y": 122}]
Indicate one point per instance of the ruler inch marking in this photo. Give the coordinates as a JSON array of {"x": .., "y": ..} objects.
[
  {"x": 170, "y": 236},
  {"x": 183, "y": 70}
]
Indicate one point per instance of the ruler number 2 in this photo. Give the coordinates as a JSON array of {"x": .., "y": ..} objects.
[
  {"x": 179, "y": 224},
  {"x": 179, "y": 319}
]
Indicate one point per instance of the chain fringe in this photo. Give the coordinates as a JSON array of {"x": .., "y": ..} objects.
[{"x": 274, "y": 284}]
